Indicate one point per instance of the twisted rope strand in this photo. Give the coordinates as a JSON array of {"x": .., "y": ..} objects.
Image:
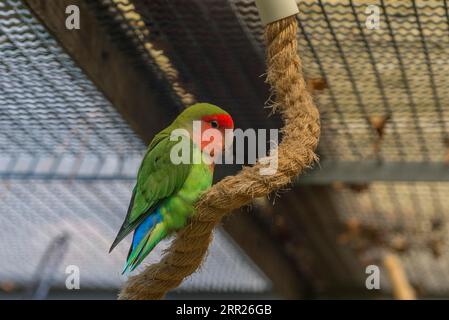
[{"x": 295, "y": 153}]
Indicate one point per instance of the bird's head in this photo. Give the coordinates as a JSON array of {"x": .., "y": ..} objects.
[{"x": 210, "y": 127}]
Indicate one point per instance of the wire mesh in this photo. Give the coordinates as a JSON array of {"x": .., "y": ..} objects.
[
  {"x": 217, "y": 62},
  {"x": 396, "y": 72},
  {"x": 407, "y": 218},
  {"x": 33, "y": 213},
  {"x": 51, "y": 114},
  {"x": 67, "y": 166},
  {"x": 385, "y": 98}
]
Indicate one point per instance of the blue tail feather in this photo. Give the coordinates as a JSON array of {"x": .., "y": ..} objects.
[
  {"x": 142, "y": 231},
  {"x": 145, "y": 227}
]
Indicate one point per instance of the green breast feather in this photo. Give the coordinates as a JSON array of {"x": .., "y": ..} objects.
[{"x": 163, "y": 198}]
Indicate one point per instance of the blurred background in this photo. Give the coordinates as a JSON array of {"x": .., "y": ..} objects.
[{"x": 78, "y": 106}]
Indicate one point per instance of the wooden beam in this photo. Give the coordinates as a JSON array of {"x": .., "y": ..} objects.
[
  {"x": 402, "y": 290},
  {"x": 135, "y": 92}
]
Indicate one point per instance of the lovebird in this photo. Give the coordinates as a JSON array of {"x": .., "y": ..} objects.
[{"x": 166, "y": 191}]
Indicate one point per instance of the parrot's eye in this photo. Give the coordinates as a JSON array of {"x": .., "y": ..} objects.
[{"x": 214, "y": 124}]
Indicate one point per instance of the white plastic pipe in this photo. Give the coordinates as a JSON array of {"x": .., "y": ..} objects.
[{"x": 274, "y": 10}]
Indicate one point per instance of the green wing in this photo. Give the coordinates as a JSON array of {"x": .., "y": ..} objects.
[{"x": 158, "y": 178}]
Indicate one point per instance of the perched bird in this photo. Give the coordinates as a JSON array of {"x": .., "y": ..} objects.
[{"x": 165, "y": 193}]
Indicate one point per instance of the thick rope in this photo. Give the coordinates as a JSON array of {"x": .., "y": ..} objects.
[{"x": 296, "y": 152}]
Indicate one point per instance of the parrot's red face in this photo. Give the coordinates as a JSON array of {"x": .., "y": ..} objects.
[{"x": 216, "y": 131}]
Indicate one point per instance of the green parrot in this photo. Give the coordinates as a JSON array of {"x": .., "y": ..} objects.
[{"x": 165, "y": 193}]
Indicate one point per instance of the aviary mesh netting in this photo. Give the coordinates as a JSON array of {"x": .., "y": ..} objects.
[
  {"x": 382, "y": 94},
  {"x": 67, "y": 167},
  {"x": 396, "y": 72}
]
